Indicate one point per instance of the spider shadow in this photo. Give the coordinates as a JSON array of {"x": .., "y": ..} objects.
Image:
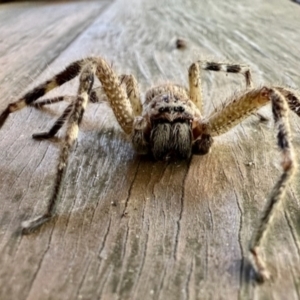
[{"x": 248, "y": 275}]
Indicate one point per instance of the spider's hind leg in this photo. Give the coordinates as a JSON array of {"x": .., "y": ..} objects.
[
  {"x": 195, "y": 77},
  {"x": 57, "y": 125},
  {"x": 93, "y": 97},
  {"x": 228, "y": 68}
]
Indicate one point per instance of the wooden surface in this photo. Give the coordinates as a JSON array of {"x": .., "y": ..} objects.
[{"x": 177, "y": 230}]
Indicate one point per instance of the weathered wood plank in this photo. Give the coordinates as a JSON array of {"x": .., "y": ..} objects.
[
  {"x": 33, "y": 34},
  {"x": 187, "y": 224}
]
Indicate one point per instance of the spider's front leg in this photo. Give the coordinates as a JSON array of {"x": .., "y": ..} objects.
[
  {"x": 125, "y": 102},
  {"x": 95, "y": 95},
  {"x": 236, "y": 111},
  {"x": 203, "y": 140},
  {"x": 280, "y": 114},
  {"x": 75, "y": 117}
]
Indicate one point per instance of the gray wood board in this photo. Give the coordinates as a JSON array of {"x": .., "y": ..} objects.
[{"x": 178, "y": 230}]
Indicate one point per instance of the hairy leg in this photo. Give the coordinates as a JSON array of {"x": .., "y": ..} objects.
[
  {"x": 195, "y": 89},
  {"x": 133, "y": 94},
  {"x": 280, "y": 113},
  {"x": 226, "y": 117},
  {"x": 116, "y": 95},
  {"x": 96, "y": 96},
  {"x": 141, "y": 129},
  {"x": 29, "y": 98},
  {"x": 50, "y": 101},
  {"x": 131, "y": 88},
  {"x": 76, "y": 114},
  {"x": 232, "y": 114},
  {"x": 57, "y": 125},
  {"x": 124, "y": 102},
  {"x": 292, "y": 98},
  {"x": 236, "y": 110}
]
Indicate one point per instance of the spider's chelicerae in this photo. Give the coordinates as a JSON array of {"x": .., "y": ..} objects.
[{"x": 170, "y": 123}]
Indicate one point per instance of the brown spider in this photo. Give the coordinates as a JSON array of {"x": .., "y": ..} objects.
[{"x": 169, "y": 125}]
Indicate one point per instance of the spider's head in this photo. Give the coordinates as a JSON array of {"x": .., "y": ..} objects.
[
  {"x": 170, "y": 108},
  {"x": 171, "y": 127}
]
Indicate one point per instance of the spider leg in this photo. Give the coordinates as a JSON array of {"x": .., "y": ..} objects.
[
  {"x": 235, "y": 111},
  {"x": 29, "y": 98},
  {"x": 195, "y": 89},
  {"x": 62, "y": 119},
  {"x": 56, "y": 126},
  {"x": 40, "y": 104},
  {"x": 95, "y": 97},
  {"x": 131, "y": 87},
  {"x": 118, "y": 98},
  {"x": 292, "y": 99},
  {"x": 141, "y": 128},
  {"x": 76, "y": 114},
  {"x": 50, "y": 101},
  {"x": 132, "y": 91},
  {"x": 280, "y": 113},
  {"x": 232, "y": 114},
  {"x": 226, "y": 117}
]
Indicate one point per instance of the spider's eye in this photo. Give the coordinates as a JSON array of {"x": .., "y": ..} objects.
[
  {"x": 166, "y": 98},
  {"x": 179, "y": 109},
  {"x": 164, "y": 109}
]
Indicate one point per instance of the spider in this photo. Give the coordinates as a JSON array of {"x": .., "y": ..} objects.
[{"x": 169, "y": 124}]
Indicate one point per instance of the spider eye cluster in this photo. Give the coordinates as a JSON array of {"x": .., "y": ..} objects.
[
  {"x": 169, "y": 109},
  {"x": 179, "y": 109},
  {"x": 167, "y": 98}
]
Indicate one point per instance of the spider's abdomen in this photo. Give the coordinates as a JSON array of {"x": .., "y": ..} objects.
[{"x": 171, "y": 140}]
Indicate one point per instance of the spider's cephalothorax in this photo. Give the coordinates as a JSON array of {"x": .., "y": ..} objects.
[
  {"x": 170, "y": 124},
  {"x": 169, "y": 133}
]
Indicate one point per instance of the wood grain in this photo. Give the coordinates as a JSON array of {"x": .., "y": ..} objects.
[{"x": 128, "y": 227}]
